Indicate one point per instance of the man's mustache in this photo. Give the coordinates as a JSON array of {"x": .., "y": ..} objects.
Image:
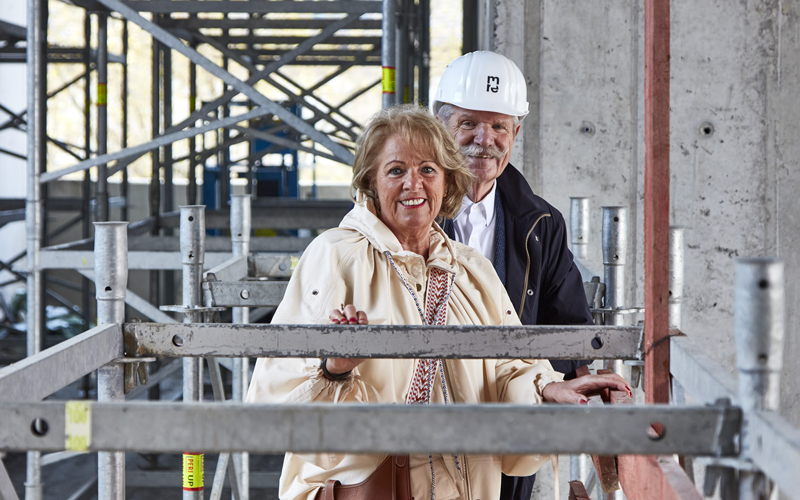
[{"x": 476, "y": 150}]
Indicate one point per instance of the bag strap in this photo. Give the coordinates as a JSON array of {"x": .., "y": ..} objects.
[{"x": 327, "y": 490}]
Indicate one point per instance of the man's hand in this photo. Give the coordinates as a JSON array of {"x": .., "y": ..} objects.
[
  {"x": 347, "y": 316},
  {"x": 576, "y": 391}
]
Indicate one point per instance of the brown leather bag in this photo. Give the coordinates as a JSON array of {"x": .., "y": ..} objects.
[{"x": 390, "y": 481}]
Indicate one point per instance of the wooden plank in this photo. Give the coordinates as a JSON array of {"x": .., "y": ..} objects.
[
  {"x": 656, "y": 199},
  {"x": 645, "y": 477},
  {"x": 577, "y": 491}
]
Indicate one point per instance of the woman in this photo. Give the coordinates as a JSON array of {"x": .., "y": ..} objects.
[{"x": 390, "y": 259}]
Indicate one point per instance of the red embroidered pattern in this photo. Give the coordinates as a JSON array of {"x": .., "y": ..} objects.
[{"x": 435, "y": 313}]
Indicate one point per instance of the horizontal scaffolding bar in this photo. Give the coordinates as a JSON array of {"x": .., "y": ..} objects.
[
  {"x": 84, "y": 259},
  {"x": 700, "y": 376},
  {"x": 315, "y": 341},
  {"x": 42, "y": 374},
  {"x": 245, "y": 293},
  {"x": 302, "y": 214},
  {"x": 255, "y": 6},
  {"x": 357, "y": 428},
  {"x": 269, "y": 265},
  {"x": 290, "y": 244},
  {"x": 775, "y": 449}
]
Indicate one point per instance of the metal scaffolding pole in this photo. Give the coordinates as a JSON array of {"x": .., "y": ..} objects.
[
  {"x": 36, "y": 154},
  {"x": 401, "y": 54},
  {"x": 191, "y": 197},
  {"x": 675, "y": 275},
  {"x": 759, "y": 329},
  {"x": 193, "y": 240},
  {"x": 240, "y": 239},
  {"x": 86, "y": 212},
  {"x": 101, "y": 197},
  {"x": 111, "y": 282},
  {"x": 388, "y": 42},
  {"x": 579, "y": 227},
  {"x": 615, "y": 245},
  {"x": 125, "y": 116}
]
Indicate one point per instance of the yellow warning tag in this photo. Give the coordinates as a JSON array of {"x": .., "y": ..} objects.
[
  {"x": 102, "y": 94},
  {"x": 192, "y": 471},
  {"x": 77, "y": 425},
  {"x": 387, "y": 80}
]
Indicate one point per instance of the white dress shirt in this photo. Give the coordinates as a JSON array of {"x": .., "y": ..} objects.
[{"x": 475, "y": 224}]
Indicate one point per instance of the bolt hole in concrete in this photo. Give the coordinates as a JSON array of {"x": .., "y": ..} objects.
[
  {"x": 177, "y": 341},
  {"x": 587, "y": 128},
  {"x": 191, "y": 218},
  {"x": 108, "y": 289},
  {"x": 597, "y": 342},
  {"x": 39, "y": 427},
  {"x": 656, "y": 431},
  {"x": 763, "y": 284},
  {"x": 706, "y": 129}
]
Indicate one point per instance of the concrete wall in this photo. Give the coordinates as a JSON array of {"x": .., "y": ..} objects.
[{"x": 735, "y": 66}]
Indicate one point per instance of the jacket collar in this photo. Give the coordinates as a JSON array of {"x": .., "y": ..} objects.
[
  {"x": 364, "y": 220},
  {"x": 518, "y": 195}
]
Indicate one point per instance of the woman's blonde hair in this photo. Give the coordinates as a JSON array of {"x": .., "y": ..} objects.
[{"x": 417, "y": 127}]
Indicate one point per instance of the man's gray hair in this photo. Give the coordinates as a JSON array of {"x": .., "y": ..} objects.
[{"x": 444, "y": 112}]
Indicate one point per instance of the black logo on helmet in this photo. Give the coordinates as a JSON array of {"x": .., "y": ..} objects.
[{"x": 496, "y": 80}]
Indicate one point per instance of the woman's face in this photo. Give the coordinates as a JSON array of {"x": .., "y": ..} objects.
[{"x": 410, "y": 187}]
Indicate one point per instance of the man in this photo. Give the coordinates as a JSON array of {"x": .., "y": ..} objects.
[{"x": 482, "y": 99}]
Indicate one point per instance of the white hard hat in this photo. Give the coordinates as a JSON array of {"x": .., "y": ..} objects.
[{"x": 483, "y": 81}]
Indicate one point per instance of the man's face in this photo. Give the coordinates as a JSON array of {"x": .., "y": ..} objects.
[{"x": 485, "y": 139}]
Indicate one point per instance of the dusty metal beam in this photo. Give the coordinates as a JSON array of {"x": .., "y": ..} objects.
[
  {"x": 700, "y": 376},
  {"x": 245, "y": 293},
  {"x": 775, "y": 449},
  {"x": 359, "y": 428},
  {"x": 313, "y": 341},
  {"x": 40, "y": 375}
]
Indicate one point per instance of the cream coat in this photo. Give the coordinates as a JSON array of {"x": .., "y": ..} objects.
[{"x": 347, "y": 265}]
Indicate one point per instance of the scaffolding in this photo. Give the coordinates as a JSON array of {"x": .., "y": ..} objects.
[{"x": 739, "y": 432}]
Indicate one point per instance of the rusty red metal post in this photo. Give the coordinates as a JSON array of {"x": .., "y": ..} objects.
[{"x": 656, "y": 198}]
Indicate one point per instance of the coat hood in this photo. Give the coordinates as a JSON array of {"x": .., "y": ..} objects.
[{"x": 363, "y": 219}]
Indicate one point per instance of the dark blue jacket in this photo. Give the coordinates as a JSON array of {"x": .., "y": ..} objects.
[{"x": 533, "y": 260}]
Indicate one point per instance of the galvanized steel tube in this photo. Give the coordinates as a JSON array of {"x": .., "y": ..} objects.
[
  {"x": 111, "y": 281},
  {"x": 615, "y": 246},
  {"x": 676, "y": 266},
  {"x": 36, "y": 150},
  {"x": 388, "y": 55},
  {"x": 101, "y": 197},
  {"x": 759, "y": 328},
  {"x": 193, "y": 242},
  {"x": 240, "y": 240},
  {"x": 579, "y": 226}
]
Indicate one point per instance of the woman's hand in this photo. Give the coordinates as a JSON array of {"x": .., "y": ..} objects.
[
  {"x": 347, "y": 316},
  {"x": 577, "y": 390}
]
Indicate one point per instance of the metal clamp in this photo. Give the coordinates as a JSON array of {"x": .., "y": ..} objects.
[{"x": 197, "y": 314}]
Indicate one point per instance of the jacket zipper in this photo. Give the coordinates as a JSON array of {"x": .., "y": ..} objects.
[{"x": 528, "y": 266}]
